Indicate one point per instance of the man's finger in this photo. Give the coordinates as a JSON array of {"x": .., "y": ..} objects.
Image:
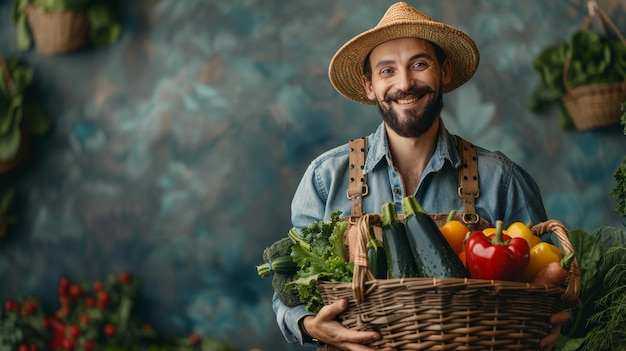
[{"x": 329, "y": 312}]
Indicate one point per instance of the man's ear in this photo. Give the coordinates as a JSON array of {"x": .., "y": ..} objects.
[
  {"x": 446, "y": 71},
  {"x": 369, "y": 90}
]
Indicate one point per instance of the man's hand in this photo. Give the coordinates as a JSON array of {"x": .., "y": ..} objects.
[
  {"x": 325, "y": 328},
  {"x": 557, "y": 320}
]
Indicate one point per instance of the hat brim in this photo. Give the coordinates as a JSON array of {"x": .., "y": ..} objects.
[{"x": 346, "y": 67}]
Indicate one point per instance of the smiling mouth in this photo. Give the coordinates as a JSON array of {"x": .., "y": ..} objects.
[
  {"x": 406, "y": 101},
  {"x": 409, "y": 100}
]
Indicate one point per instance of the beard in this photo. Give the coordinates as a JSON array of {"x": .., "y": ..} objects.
[{"x": 416, "y": 124}]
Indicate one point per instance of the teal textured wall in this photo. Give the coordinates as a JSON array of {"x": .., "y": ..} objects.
[{"x": 176, "y": 151}]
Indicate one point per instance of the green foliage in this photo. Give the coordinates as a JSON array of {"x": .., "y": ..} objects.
[
  {"x": 90, "y": 318},
  {"x": 619, "y": 191},
  {"x": 610, "y": 320},
  {"x": 20, "y": 114},
  {"x": 7, "y": 200},
  {"x": 599, "y": 319},
  {"x": 594, "y": 59},
  {"x": 21, "y": 324},
  {"x": 321, "y": 254}
]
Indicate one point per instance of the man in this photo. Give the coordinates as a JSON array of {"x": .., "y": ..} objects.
[{"x": 404, "y": 65}]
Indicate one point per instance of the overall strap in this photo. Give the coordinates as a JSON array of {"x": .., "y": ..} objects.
[
  {"x": 357, "y": 188},
  {"x": 468, "y": 188},
  {"x": 468, "y": 181}
]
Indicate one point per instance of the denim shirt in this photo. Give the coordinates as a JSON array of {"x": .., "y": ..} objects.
[{"x": 507, "y": 193}]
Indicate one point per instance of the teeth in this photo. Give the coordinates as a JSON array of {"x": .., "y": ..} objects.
[{"x": 406, "y": 101}]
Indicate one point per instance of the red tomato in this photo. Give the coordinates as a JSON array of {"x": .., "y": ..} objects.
[
  {"x": 125, "y": 277},
  {"x": 109, "y": 330},
  {"x": 75, "y": 290},
  {"x": 73, "y": 330},
  {"x": 89, "y": 345}
]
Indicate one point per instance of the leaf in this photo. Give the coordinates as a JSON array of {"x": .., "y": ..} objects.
[
  {"x": 9, "y": 145},
  {"x": 6, "y": 201},
  {"x": 588, "y": 254},
  {"x": 36, "y": 121}
]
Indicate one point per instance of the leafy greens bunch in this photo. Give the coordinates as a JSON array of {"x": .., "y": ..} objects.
[
  {"x": 321, "y": 255},
  {"x": 598, "y": 323}
]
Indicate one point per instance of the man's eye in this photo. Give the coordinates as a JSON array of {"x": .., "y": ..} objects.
[
  {"x": 386, "y": 71},
  {"x": 420, "y": 65}
]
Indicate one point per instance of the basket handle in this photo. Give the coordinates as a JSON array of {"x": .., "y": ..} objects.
[
  {"x": 362, "y": 273},
  {"x": 572, "y": 290},
  {"x": 593, "y": 9}
]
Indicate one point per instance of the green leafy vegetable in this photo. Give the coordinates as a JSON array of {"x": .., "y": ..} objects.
[{"x": 321, "y": 254}]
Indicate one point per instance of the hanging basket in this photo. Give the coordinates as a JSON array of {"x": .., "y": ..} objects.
[
  {"x": 57, "y": 32},
  {"x": 451, "y": 313},
  {"x": 595, "y": 105}
]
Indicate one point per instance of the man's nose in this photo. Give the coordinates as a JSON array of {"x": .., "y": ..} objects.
[{"x": 405, "y": 80}]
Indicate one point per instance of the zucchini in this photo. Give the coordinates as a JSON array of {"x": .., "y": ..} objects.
[
  {"x": 433, "y": 256},
  {"x": 400, "y": 263},
  {"x": 376, "y": 257},
  {"x": 280, "y": 265}
]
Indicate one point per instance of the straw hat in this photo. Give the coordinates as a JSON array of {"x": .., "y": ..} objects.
[{"x": 401, "y": 21}]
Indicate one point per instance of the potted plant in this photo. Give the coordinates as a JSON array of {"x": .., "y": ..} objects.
[
  {"x": 585, "y": 75},
  {"x": 60, "y": 26},
  {"x": 21, "y": 117}
]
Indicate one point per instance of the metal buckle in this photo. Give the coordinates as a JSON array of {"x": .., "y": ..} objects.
[
  {"x": 365, "y": 190},
  {"x": 462, "y": 194},
  {"x": 470, "y": 218}
]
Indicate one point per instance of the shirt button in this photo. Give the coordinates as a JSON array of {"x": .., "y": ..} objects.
[{"x": 396, "y": 190}]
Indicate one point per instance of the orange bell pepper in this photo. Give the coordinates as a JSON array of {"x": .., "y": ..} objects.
[{"x": 454, "y": 231}]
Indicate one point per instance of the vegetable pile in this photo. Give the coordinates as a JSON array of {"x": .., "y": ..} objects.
[{"x": 411, "y": 247}]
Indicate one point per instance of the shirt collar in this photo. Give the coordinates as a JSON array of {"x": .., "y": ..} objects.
[{"x": 447, "y": 149}]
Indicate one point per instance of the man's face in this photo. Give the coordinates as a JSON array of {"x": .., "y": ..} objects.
[{"x": 406, "y": 84}]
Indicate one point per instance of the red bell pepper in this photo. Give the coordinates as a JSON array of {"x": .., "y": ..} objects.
[{"x": 496, "y": 257}]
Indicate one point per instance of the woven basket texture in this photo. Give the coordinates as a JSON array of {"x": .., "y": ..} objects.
[
  {"x": 595, "y": 105},
  {"x": 58, "y": 32},
  {"x": 454, "y": 313}
]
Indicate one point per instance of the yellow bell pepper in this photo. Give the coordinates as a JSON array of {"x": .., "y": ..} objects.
[
  {"x": 491, "y": 230},
  {"x": 541, "y": 255},
  {"x": 521, "y": 230}
]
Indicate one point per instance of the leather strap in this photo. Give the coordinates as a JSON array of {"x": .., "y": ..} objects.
[
  {"x": 468, "y": 188},
  {"x": 357, "y": 188},
  {"x": 468, "y": 180}
]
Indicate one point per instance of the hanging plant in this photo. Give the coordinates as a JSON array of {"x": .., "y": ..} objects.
[
  {"x": 60, "y": 26},
  {"x": 20, "y": 116},
  {"x": 585, "y": 75}
]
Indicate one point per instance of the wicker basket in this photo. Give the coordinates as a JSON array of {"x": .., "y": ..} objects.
[
  {"x": 596, "y": 105},
  {"x": 58, "y": 32},
  {"x": 451, "y": 313}
]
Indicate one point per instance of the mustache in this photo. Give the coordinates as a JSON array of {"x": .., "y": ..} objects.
[{"x": 413, "y": 91}]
